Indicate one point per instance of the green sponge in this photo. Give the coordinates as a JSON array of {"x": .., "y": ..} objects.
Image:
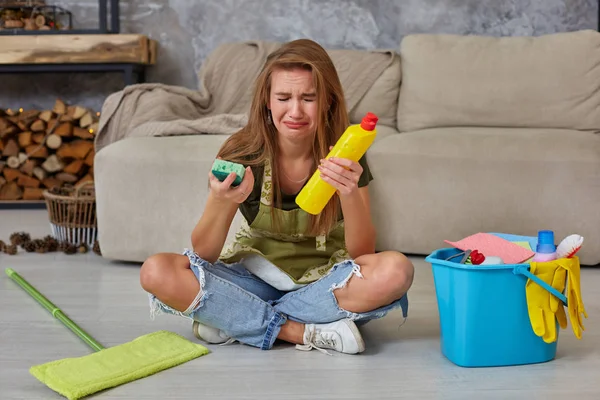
[{"x": 221, "y": 169}]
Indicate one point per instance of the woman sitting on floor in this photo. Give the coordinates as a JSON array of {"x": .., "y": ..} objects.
[{"x": 288, "y": 275}]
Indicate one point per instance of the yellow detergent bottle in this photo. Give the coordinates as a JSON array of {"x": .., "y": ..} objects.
[{"x": 353, "y": 144}]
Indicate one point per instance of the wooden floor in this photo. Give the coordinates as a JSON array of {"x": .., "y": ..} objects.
[{"x": 105, "y": 298}]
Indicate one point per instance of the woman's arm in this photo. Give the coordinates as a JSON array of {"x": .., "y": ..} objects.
[
  {"x": 344, "y": 174},
  {"x": 209, "y": 235},
  {"x": 358, "y": 227}
]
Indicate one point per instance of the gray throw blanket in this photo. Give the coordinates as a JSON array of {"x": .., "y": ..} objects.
[{"x": 221, "y": 104}]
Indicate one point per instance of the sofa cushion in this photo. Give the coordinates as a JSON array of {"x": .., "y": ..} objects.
[
  {"x": 382, "y": 98},
  {"x": 146, "y": 182},
  {"x": 448, "y": 183},
  {"x": 384, "y": 131},
  {"x": 549, "y": 81}
]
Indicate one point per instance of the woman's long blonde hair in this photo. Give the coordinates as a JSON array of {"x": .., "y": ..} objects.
[{"x": 257, "y": 141}]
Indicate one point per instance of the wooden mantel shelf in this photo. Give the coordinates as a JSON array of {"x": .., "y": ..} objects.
[{"x": 78, "y": 49}]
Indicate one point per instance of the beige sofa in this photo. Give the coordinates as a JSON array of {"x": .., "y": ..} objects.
[{"x": 475, "y": 134}]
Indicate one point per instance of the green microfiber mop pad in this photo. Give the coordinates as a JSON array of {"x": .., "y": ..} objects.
[
  {"x": 221, "y": 169},
  {"x": 78, "y": 377}
]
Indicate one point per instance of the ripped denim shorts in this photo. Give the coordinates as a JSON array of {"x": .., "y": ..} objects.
[{"x": 251, "y": 311}]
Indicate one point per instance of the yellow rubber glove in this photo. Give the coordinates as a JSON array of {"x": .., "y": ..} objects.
[
  {"x": 556, "y": 304},
  {"x": 543, "y": 319},
  {"x": 575, "y": 302}
]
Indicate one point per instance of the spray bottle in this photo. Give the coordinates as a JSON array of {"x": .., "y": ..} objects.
[{"x": 353, "y": 144}]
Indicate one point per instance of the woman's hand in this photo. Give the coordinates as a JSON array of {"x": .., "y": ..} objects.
[
  {"x": 210, "y": 233},
  {"x": 225, "y": 192},
  {"x": 341, "y": 173}
]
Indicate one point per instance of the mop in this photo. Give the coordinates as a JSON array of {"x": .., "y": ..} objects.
[{"x": 75, "y": 378}]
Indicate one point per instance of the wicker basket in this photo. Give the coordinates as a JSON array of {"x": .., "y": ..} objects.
[{"x": 72, "y": 213}]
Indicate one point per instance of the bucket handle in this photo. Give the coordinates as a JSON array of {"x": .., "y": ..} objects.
[{"x": 524, "y": 270}]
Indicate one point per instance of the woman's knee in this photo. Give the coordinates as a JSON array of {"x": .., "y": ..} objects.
[
  {"x": 151, "y": 272},
  {"x": 384, "y": 278},
  {"x": 395, "y": 273},
  {"x": 157, "y": 268}
]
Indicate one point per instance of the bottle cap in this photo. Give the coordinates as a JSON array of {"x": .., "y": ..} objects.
[
  {"x": 546, "y": 242},
  {"x": 369, "y": 121}
]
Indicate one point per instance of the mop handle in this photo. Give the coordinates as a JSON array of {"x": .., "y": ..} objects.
[{"x": 55, "y": 311}]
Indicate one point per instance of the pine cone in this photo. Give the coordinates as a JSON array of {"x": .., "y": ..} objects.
[
  {"x": 68, "y": 248},
  {"x": 28, "y": 246},
  {"x": 51, "y": 243},
  {"x": 65, "y": 190},
  {"x": 96, "y": 248},
  {"x": 2, "y": 246},
  {"x": 11, "y": 249},
  {"x": 40, "y": 246},
  {"x": 82, "y": 248},
  {"x": 14, "y": 238},
  {"x": 54, "y": 190},
  {"x": 19, "y": 238}
]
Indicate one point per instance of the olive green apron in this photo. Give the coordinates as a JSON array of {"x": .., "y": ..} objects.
[{"x": 303, "y": 258}]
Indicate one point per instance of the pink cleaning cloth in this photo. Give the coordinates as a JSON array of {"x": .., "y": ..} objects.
[{"x": 492, "y": 245}]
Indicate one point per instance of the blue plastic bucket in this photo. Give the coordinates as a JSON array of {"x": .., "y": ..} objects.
[{"x": 484, "y": 320}]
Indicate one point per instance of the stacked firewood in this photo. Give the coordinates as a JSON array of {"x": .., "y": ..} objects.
[
  {"x": 30, "y": 15},
  {"x": 45, "y": 149}
]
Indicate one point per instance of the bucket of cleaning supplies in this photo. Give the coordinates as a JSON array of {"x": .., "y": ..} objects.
[{"x": 484, "y": 319}]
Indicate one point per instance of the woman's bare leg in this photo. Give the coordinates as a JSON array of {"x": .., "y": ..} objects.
[
  {"x": 292, "y": 332},
  {"x": 386, "y": 277},
  {"x": 168, "y": 277}
]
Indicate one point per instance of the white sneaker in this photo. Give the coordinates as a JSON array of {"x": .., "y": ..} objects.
[
  {"x": 342, "y": 336},
  {"x": 210, "y": 334}
]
